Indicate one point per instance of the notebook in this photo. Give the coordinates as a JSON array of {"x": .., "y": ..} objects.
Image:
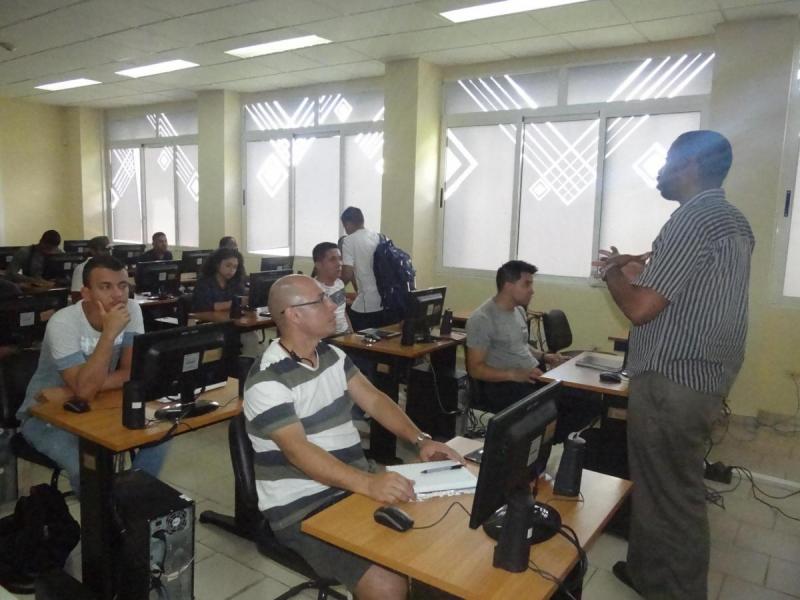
[{"x": 439, "y": 481}]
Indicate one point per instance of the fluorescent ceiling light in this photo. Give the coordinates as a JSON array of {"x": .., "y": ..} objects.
[
  {"x": 278, "y": 46},
  {"x": 156, "y": 68},
  {"x": 66, "y": 85},
  {"x": 496, "y": 9}
]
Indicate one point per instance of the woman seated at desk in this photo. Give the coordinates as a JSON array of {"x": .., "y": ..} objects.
[{"x": 221, "y": 278}]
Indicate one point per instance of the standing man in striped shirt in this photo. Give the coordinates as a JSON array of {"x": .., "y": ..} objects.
[
  {"x": 688, "y": 305},
  {"x": 297, "y": 403}
]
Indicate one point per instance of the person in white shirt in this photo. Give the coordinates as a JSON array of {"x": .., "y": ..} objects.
[
  {"x": 328, "y": 270},
  {"x": 358, "y": 249},
  {"x": 97, "y": 246}
]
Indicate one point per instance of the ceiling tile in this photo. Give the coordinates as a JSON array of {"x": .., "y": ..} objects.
[
  {"x": 500, "y": 29},
  {"x": 736, "y": 3},
  {"x": 270, "y": 82},
  {"x": 666, "y": 29},
  {"x": 471, "y": 54},
  {"x": 331, "y": 54},
  {"x": 550, "y": 44},
  {"x": 13, "y": 11},
  {"x": 763, "y": 11},
  {"x": 621, "y": 35},
  {"x": 284, "y": 62},
  {"x": 144, "y": 40},
  {"x": 194, "y": 29},
  {"x": 650, "y": 10},
  {"x": 379, "y": 22},
  {"x": 369, "y": 68},
  {"x": 403, "y": 45},
  {"x": 180, "y": 8},
  {"x": 577, "y": 17},
  {"x": 295, "y": 12},
  {"x": 218, "y": 73}
]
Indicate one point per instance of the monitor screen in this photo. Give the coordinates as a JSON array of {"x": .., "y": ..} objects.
[
  {"x": 59, "y": 267},
  {"x": 177, "y": 363},
  {"x": 425, "y": 308},
  {"x": 23, "y": 319},
  {"x": 159, "y": 277},
  {"x": 275, "y": 263},
  {"x": 76, "y": 246},
  {"x": 260, "y": 285},
  {"x": 516, "y": 450},
  {"x": 6, "y": 254},
  {"x": 192, "y": 260},
  {"x": 127, "y": 253}
]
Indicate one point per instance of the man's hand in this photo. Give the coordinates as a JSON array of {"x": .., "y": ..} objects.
[
  {"x": 115, "y": 319},
  {"x": 553, "y": 359},
  {"x": 431, "y": 450},
  {"x": 390, "y": 487},
  {"x": 631, "y": 265},
  {"x": 525, "y": 375}
]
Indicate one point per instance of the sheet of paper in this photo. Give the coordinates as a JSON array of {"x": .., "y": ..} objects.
[{"x": 443, "y": 478}]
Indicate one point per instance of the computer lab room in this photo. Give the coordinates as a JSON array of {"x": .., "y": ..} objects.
[{"x": 388, "y": 299}]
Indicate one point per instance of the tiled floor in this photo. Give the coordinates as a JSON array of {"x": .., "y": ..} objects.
[{"x": 755, "y": 551}]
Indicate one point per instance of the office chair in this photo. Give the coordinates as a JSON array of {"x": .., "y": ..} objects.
[
  {"x": 248, "y": 521},
  {"x": 557, "y": 333}
]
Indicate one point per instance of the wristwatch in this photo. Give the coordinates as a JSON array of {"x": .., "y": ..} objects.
[{"x": 420, "y": 439}]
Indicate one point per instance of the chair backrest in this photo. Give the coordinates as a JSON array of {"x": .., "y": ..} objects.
[
  {"x": 241, "y": 448},
  {"x": 557, "y": 333},
  {"x": 16, "y": 371}
]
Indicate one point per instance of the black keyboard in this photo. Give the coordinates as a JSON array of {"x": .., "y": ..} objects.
[{"x": 184, "y": 411}]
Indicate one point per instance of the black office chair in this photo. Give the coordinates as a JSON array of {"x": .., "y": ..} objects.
[
  {"x": 15, "y": 374},
  {"x": 249, "y": 522},
  {"x": 557, "y": 333}
]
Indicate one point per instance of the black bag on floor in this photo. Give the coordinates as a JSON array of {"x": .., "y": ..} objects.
[{"x": 40, "y": 534}]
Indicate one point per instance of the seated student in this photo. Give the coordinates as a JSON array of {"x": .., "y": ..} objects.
[
  {"x": 297, "y": 404},
  {"x": 97, "y": 246},
  {"x": 221, "y": 278},
  {"x": 327, "y": 270},
  {"x": 27, "y": 265},
  {"x": 87, "y": 348},
  {"x": 160, "y": 249},
  {"x": 498, "y": 352}
]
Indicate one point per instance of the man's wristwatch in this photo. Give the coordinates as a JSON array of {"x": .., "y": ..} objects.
[{"x": 421, "y": 438}]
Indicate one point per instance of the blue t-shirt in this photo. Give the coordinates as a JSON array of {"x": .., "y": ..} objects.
[
  {"x": 70, "y": 340},
  {"x": 207, "y": 293}
]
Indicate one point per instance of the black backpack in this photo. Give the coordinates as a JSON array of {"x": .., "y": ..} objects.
[
  {"x": 395, "y": 277},
  {"x": 40, "y": 534}
]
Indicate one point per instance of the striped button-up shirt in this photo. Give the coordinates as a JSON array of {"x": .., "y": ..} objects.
[{"x": 701, "y": 265}]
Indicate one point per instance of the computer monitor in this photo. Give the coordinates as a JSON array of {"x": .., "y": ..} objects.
[
  {"x": 179, "y": 363},
  {"x": 23, "y": 319},
  {"x": 515, "y": 452},
  {"x": 128, "y": 253},
  {"x": 260, "y": 285},
  {"x": 277, "y": 263},
  {"x": 425, "y": 308},
  {"x": 192, "y": 260},
  {"x": 158, "y": 277},
  {"x": 6, "y": 254},
  {"x": 59, "y": 267},
  {"x": 76, "y": 246}
]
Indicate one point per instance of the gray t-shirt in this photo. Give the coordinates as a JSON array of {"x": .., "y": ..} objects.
[
  {"x": 503, "y": 334},
  {"x": 70, "y": 340}
]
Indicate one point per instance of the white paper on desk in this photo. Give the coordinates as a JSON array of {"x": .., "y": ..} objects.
[{"x": 451, "y": 479}]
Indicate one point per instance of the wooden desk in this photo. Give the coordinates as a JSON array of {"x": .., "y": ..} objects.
[
  {"x": 620, "y": 341},
  {"x": 457, "y": 559},
  {"x": 101, "y": 436},
  {"x": 250, "y": 320},
  {"x": 584, "y": 378},
  {"x": 393, "y": 347}
]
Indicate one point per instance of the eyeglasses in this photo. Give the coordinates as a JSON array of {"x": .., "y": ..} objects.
[{"x": 321, "y": 300}]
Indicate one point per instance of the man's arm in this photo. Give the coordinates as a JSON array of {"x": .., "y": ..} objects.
[
  {"x": 117, "y": 379},
  {"x": 639, "y": 304},
  {"x": 349, "y": 276},
  {"x": 478, "y": 369}
]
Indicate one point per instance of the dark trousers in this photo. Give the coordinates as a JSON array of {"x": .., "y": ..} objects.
[
  {"x": 669, "y": 545},
  {"x": 361, "y": 320}
]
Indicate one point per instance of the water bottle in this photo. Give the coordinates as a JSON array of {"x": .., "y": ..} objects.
[
  {"x": 447, "y": 323},
  {"x": 236, "y": 308}
]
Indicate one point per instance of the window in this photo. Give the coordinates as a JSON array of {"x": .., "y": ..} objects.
[
  {"x": 307, "y": 159},
  {"x": 153, "y": 181},
  {"x": 553, "y": 189},
  {"x": 791, "y": 278}
]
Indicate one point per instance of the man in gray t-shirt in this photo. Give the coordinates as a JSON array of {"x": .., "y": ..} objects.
[{"x": 497, "y": 339}]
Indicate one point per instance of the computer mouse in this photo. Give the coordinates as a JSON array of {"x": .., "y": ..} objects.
[
  {"x": 393, "y": 518},
  {"x": 77, "y": 406},
  {"x": 610, "y": 377}
]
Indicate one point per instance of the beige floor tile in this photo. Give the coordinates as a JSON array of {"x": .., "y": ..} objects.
[
  {"x": 745, "y": 564},
  {"x": 220, "y": 577},
  {"x": 715, "y": 579},
  {"x": 724, "y": 526},
  {"x": 201, "y": 552},
  {"x": 607, "y": 550},
  {"x": 266, "y": 588},
  {"x": 748, "y": 510},
  {"x": 783, "y": 576},
  {"x": 604, "y": 586},
  {"x": 769, "y": 541},
  {"x": 734, "y": 588}
]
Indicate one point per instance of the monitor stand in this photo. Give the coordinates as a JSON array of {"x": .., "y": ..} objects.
[{"x": 517, "y": 526}]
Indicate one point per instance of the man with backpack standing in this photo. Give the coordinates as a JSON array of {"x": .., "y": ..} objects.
[{"x": 358, "y": 249}]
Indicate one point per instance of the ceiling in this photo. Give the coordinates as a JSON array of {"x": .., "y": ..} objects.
[{"x": 57, "y": 40}]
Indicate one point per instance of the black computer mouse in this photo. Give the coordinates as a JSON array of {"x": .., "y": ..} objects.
[
  {"x": 77, "y": 406},
  {"x": 393, "y": 518},
  {"x": 610, "y": 377}
]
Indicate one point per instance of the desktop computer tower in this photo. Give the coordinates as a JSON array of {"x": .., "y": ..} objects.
[
  {"x": 155, "y": 553},
  {"x": 433, "y": 415}
]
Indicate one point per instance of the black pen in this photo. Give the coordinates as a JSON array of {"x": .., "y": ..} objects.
[{"x": 438, "y": 469}]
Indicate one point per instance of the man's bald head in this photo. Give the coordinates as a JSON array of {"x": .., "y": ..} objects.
[{"x": 299, "y": 306}]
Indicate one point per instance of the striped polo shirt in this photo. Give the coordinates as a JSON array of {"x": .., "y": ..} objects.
[
  {"x": 280, "y": 391},
  {"x": 701, "y": 264}
]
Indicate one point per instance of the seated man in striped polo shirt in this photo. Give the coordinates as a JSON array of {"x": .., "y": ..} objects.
[{"x": 297, "y": 402}]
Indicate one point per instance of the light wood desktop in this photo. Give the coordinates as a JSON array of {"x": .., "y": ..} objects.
[
  {"x": 584, "y": 378},
  {"x": 452, "y": 557},
  {"x": 251, "y": 320},
  {"x": 101, "y": 436},
  {"x": 392, "y": 346}
]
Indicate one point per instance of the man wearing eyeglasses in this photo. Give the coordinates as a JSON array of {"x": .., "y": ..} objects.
[{"x": 308, "y": 454}]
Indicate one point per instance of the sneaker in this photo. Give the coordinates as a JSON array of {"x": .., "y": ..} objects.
[{"x": 620, "y": 570}]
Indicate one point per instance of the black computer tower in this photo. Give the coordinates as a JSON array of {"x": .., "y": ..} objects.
[
  {"x": 155, "y": 554},
  {"x": 432, "y": 413}
]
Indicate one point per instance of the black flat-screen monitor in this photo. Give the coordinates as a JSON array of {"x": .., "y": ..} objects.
[
  {"x": 6, "y": 254},
  {"x": 425, "y": 308},
  {"x": 260, "y": 285},
  {"x": 23, "y": 319},
  {"x": 515, "y": 453},
  {"x": 76, "y": 246},
  {"x": 179, "y": 363},
  {"x": 128, "y": 253},
  {"x": 192, "y": 260},
  {"x": 158, "y": 277},
  {"x": 59, "y": 267},
  {"x": 277, "y": 263}
]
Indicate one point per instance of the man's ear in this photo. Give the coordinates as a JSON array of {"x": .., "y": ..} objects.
[{"x": 86, "y": 293}]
